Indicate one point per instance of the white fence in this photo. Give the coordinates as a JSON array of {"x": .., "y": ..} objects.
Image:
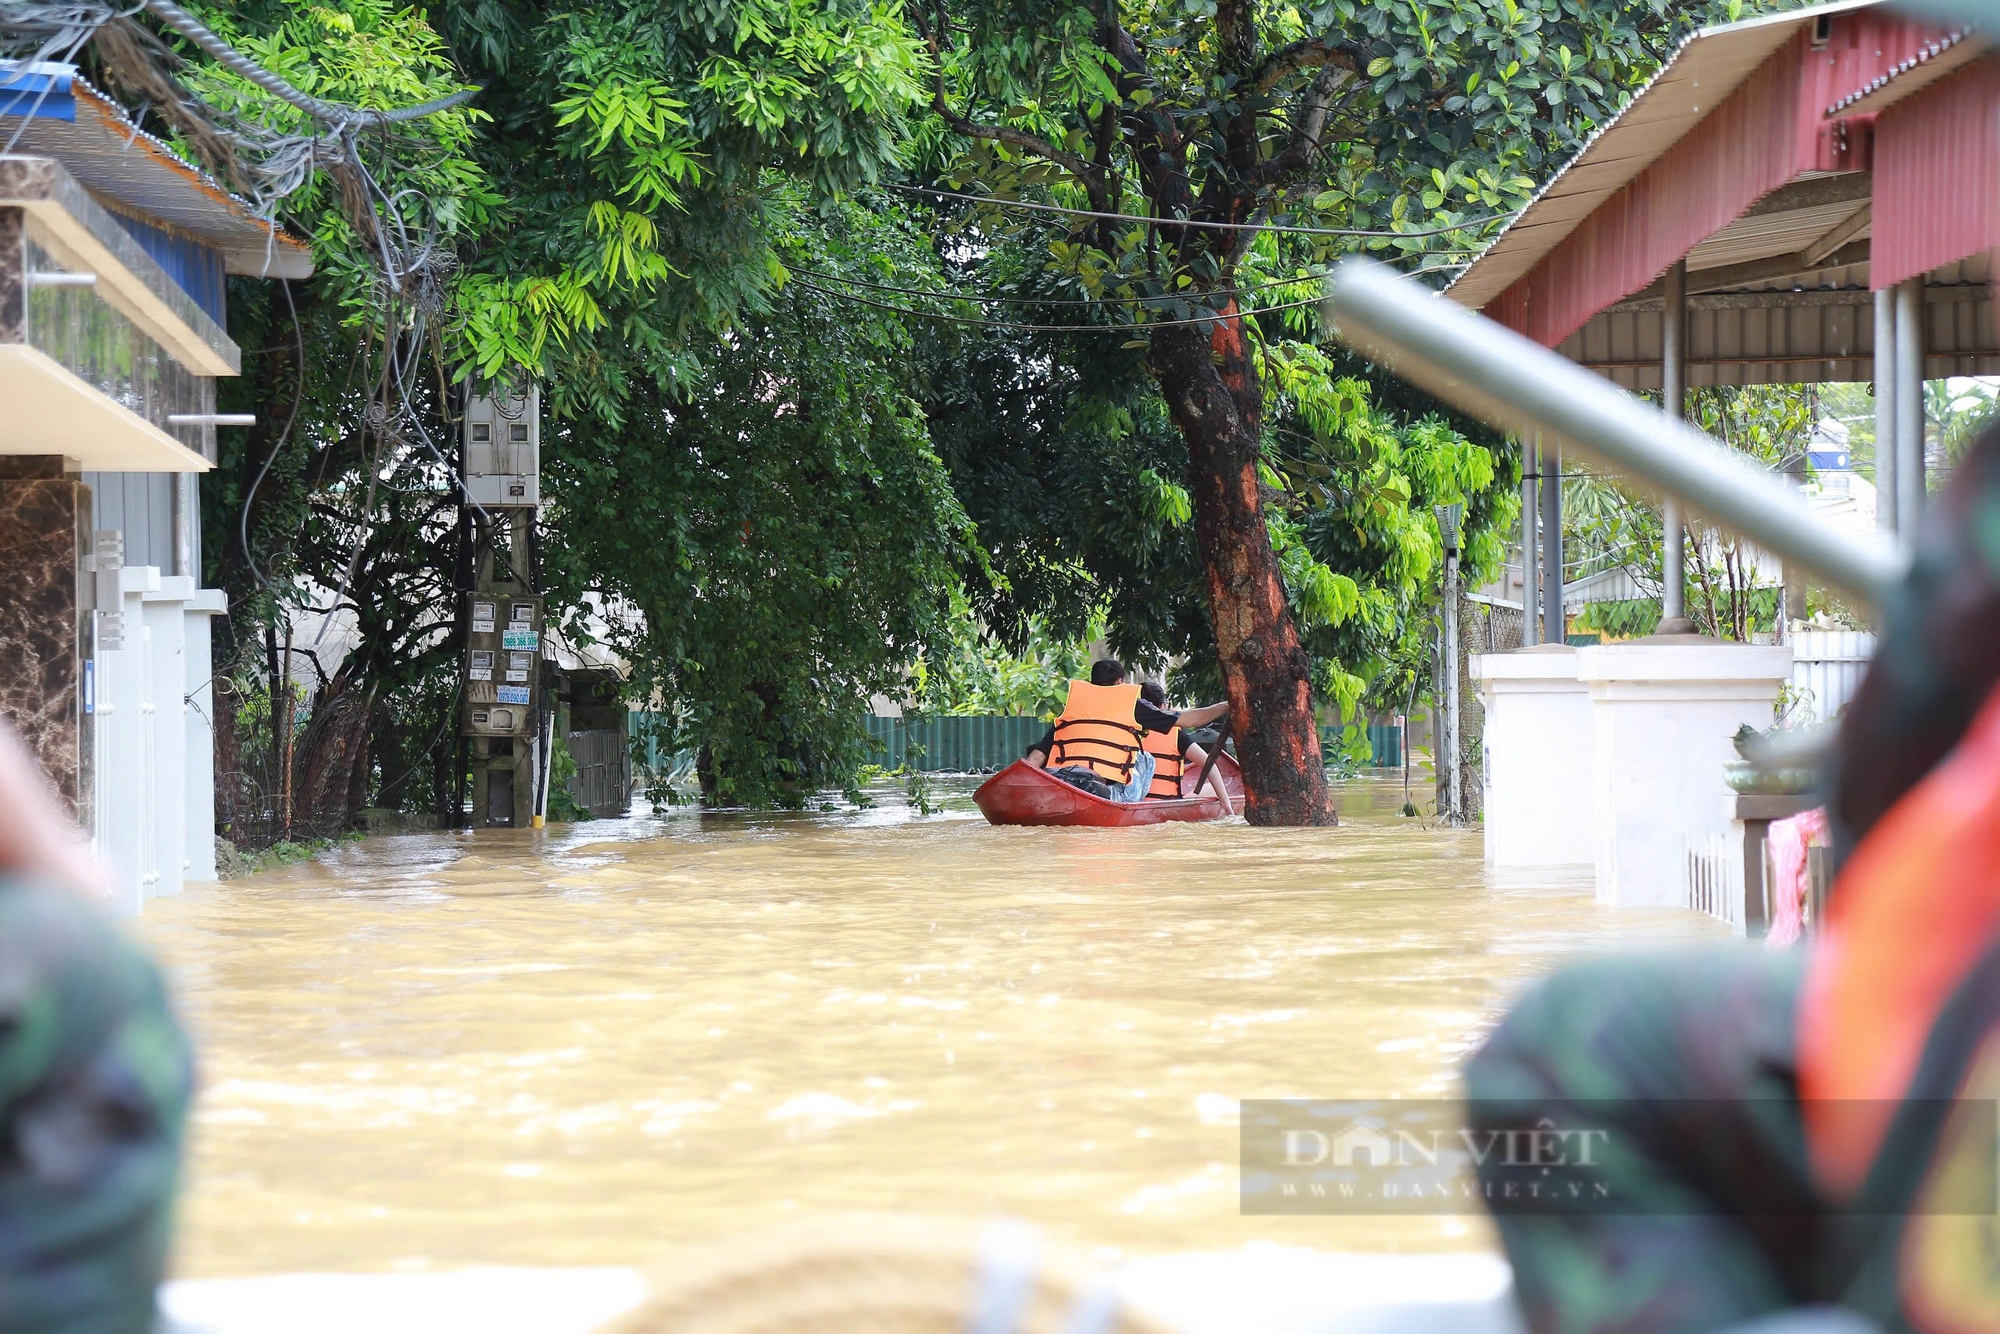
[
  {"x": 1827, "y": 667},
  {"x": 151, "y": 699},
  {"x": 1715, "y": 878}
]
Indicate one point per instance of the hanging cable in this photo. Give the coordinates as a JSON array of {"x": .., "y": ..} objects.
[
  {"x": 1284, "y": 228},
  {"x": 1149, "y": 301},
  {"x": 1059, "y": 301},
  {"x": 192, "y": 28},
  {"x": 1216, "y": 318},
  {"x": 298, "y": 401}
]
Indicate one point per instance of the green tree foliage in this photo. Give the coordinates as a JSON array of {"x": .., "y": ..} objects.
[
  {"x": 975, "y": 675},
  {"x": 639, "y": 148},
  {"x": 1607, "y": 524},
  {"x": 1416, "y": 121},
  {"x": 785, "y": 535},
  {"x": 760, "y": 491},
  {"x": 735, "y": 472}
]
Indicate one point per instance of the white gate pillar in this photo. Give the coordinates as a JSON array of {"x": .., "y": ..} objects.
[
  {"x": 200, "y": 661},
  {"x": 1538, "y": 757},
  {"x": 1665, "y": 711}
]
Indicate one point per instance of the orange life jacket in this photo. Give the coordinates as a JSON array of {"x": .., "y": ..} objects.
[
  {"x": 1168, "y": 766},
  {"x": 1099, "y": 730},
  {"x": 1894, "y": 1008},
  {"x": 1914, "y": 909}
]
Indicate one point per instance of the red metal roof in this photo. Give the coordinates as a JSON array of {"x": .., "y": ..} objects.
[
  {"x": 1937, "y": 178},
  {"x": 1702, "y": 71},
  {"x": 1685, "y": 161}
]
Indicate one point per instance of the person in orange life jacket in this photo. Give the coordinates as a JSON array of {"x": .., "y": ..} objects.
[
  {"x": 1100, "y": 730},
  {"x": 1174, "y": 754}
]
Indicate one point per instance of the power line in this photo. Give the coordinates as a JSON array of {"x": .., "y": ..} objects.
[
  {"x": 1087, "y": 301},
  {"x": 1216, "y": 318},
  {"x": 1190, "y": 222},
  {"x": 1061, "y": 301}
]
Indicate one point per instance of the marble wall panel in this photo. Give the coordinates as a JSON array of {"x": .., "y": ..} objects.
[
  {"x": 13, "y": 276},
  {"x": 44, "y": 529}
]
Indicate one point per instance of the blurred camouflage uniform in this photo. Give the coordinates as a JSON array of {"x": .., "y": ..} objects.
[
  {"x": 95, "y": 1077},
  {"x": 1686, "y": 1061},
  {"x": 1694, "y": 1062}
]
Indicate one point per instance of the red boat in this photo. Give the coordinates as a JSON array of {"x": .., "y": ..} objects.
[{"x": 1023, "y": 794}]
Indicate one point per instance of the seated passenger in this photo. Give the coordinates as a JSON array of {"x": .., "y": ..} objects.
[
  {"x": 1174, "y": 753},
  {"x": 1096, "y": 743}
]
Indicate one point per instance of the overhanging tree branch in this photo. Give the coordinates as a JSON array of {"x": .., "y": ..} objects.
[
  {"x": 1077, "y": 165},
  {"x": 1308, "y": 125},
  {"x": 1306, "y": 53},
  {"x": 1155, "y": 142}
]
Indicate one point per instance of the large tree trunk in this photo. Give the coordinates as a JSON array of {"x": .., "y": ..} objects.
[
  {"x": 334, "y": 745},
  {"x": 1212, "y": 392}
]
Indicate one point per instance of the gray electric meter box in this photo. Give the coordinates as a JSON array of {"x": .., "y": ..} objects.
[
  {"x": 503, "y": 650},
  {"x": 503, "y": 447}
]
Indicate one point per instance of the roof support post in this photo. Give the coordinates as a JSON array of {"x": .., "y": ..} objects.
[
  {"x": 1529, "y": 584},
  {"x": 1909, "y": 406},
  {"x": 1673, "y": 401},
  {"x": 1885, "y": 409},
  {"x": 1553, "y": 631}
]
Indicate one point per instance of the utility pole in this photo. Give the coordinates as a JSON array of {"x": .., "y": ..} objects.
[
  {"x": 1452, "y": 810},
  {"x": 1909, "y": 408},
  {"x": 1886, "y": 470},
  {"x": 503, "y": 614},
  {"x": 1529, "y": 601},
  {"x": 1553, "y": 629},
  {"x": 1792, "y": 575}
]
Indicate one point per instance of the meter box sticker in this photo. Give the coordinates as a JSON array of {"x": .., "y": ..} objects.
[{"x": 503, "y": 643}]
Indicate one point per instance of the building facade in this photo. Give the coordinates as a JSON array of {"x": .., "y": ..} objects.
[{"x": 113, "y": 259}]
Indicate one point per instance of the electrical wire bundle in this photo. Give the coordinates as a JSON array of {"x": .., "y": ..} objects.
[{"x": 412, "y": 263}]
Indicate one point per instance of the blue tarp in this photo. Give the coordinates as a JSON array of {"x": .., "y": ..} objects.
[
  {"x": 36, "y": 92},
  {"x": 195, "y": 266}
]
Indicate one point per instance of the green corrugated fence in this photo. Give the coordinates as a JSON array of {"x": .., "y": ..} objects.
[
  {"x": 949, "y": 744},
  {"x": 1385, "y": 745},
  {"x": 656, "y": 759},
  {"x": 953, "y": 744}
]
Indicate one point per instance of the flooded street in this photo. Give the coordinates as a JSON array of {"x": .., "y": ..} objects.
[{"x": 584, "y": 1047}]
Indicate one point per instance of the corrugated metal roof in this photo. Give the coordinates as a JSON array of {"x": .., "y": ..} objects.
[
  {"x": 1756, "y": 236},
  {"x": 1707, "y": 66},
  {"x": 130, "y": 171},
  {"x": 1794, "y": 334},
  {"x": 1920, "y": 71},
  {"x": 1938, "y": 175}
]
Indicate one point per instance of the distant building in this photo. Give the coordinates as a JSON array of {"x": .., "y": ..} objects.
[
  {"x": 113, "y": 257},
  {"x": 1827, "y": 448}
]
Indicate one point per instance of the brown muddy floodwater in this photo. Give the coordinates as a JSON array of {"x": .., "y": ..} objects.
[{"x": 587, "y": 1046}]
